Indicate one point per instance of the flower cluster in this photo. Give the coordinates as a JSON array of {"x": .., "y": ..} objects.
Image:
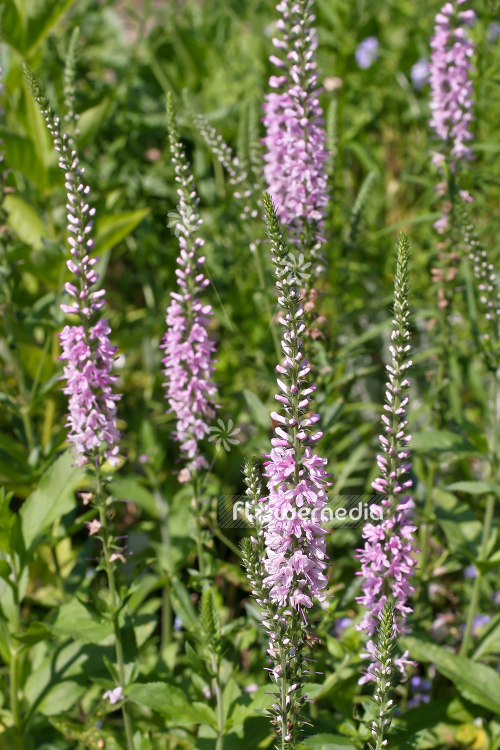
[
  {"x": 2, "y": 112},
  {"x": 487, "y": 288},
  {"x": 241, "y": 176},
  {"x": 383, "y": 674},
  {"x": 286, "y": 560},
  {"x": 451, "y": 86},
  {"x": 286, "y": 630},
  {"x": 295, "y": 141},
  {"x": 188, "y": 348},
  {"x": 296, "y": 476},
  {"x": 387, "y": 559},
  {"x": 85, "y": 348}
]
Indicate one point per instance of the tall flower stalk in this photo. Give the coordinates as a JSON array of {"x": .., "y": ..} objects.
[
  {"x": 292, "y": 574},
  {"x": 189, "y": 350},
  {"x": 388, "y": 556},
  {"x": 246, "y": 179},
  {"x": 451, "y": 85},
  {"x": 451, "y": 105},
  {"x": 384, "y": 672},
  {"x": 88, "y": 357},
  {"x": 488, "y": 294},
  {"x": 296, "y": 156}
]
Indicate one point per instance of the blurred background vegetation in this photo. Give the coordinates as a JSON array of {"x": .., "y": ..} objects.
[{"x": 130, "y": 54}]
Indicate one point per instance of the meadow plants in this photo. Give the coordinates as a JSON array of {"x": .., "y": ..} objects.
[{"x": 138, "y": 609}]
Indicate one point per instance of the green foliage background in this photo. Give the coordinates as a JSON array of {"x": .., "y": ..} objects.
[{"x": 130, "y": 55}]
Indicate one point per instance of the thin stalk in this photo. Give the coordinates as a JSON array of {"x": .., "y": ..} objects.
[
  {"x": 437, "y": 419},
  {"x": 220, "y": 708},
  {"x": 166, "y": 617},
  {"x": 283, "y": 697},
  {"x": 166, "y": 607},
  {"x": 199, "y": 541},
  {"x": 269, "y": 312},
  {"x": 218, "y": 533},
  {"x": 24, "y": 409},
  {"x": 487, "y": 525},
  {"x": 14, "y": 670},
  {"x": 424, "y": 535},
  {"x": 120, "y": 661}
]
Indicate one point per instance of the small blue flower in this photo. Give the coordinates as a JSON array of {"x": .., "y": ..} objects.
[
  {"x": 419, "y": 73},
  {"x": 367, "y": 52},
  {"x": 419, "y": 683},
  {"x": 493, "y": 31}
]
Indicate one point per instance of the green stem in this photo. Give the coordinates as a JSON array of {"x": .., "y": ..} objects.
[
  {"x": 166, "y": 607},
  {"x": 199, "y": 541},
  {"x": 269, "y": 312},
  {"x": 220, "y": 708},
  {"x": 14, "y": 692},
  {"x": 424, "y": 535},
  {"x": 114, "y": 607},
  {"x": 283, "y": 697},
  {"x": 437, "y": 419},
  {"x": 218, "y": 533},
  {"x": 166, "y": 618},
  {"x": 487, "y": 525},
  {"x": 14, "y": 666},
  {"x": 28, "y": 427}
]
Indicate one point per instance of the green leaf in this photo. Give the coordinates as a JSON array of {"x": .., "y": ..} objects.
[
  {"x": 46, "y": 263},
  {"x": 20, "y": 154},
  {"x": 90, "y": 735},
  {"x": 210, "y": 618},
  {"x": 25, "y": 24},
  {"x": 258, "y": 411},
  {"x": 441, "y": 441},
  {"x": 54, "y": 497},
  {"x": 5, "y": 571},
  {"x": 171, "y": 702},
  {"x": 490, "y": 639},
  {"x": 131, "y": 490},
  {"x": 183, "y": 606},
  {"x": 328, "y": 742},
  {"x": 74, "y": 620},
  {"x": 485, "y": 566},
  {"x": 113, "y": 228},
  {"x": 24, "y": 220},
  {"x": 247, "y": 706},
  {"x": 413, "y": 742},
  {"x": 475, "y": 488},
  {"x": 61, "y": 697},
  {"x": 36, "y": 632},
  {"x": 196, "y": 661},
  {"x": 7, "y": 521},
  {"x": 90, "y": 121},
  {"x": 475, "y": 682},
  {"x": 459, "y": 523}
]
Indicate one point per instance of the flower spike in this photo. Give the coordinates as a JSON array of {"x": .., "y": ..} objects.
[{"x": 388, "y": 557}]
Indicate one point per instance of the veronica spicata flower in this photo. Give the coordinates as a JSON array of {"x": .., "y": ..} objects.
[
  {"x": 388, "y": 557},
  {"x": 451, "y": 86},
  {"x": 296, "y": 477},
  {"x": 188, "y": 348},
  {"x": 286, "y": 560},
  {"x": 295, "y": 140},
  {"x": 85, "y": 348}
]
